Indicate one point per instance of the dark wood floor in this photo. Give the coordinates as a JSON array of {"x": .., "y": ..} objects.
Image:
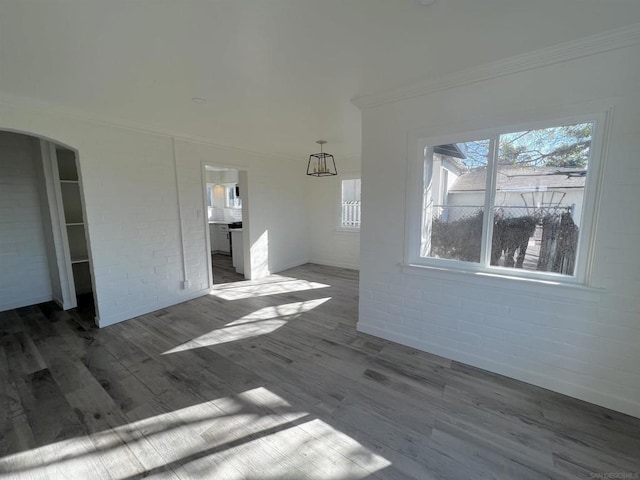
[
  {"x": 223, "y": 269},
  {"x": 270, "y": 380}
]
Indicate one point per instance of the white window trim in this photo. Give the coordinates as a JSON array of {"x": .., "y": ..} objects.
[
  {"x": 338, "y": 216},
  {"x": 593, "y": 191}
]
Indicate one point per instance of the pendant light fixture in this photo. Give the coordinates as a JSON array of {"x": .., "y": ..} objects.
[{"x": 321, "y": 164}]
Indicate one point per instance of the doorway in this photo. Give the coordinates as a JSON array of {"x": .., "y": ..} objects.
[
  {"x": 46, "y": 244},
  {"x": 226, "y": 214}
]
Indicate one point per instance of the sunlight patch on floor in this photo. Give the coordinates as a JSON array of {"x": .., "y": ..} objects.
[
  {"x": 250, "y": 289},
  {"x": 260, "y": 322},
  {"x": 255, "y": 434}
]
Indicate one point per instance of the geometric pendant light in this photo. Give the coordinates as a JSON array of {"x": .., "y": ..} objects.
[{"x": 321, "y": 164}]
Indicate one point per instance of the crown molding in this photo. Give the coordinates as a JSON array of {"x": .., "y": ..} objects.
[
  {"x": 39, "y": 106},
  {"x": 584, "y": 47}
]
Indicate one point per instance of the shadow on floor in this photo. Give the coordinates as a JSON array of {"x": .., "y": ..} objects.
[{"x": 270, "y": 379}]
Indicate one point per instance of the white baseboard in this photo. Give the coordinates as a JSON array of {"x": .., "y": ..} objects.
[
  {"x": 289, "y": 265},
  {"x": 25, "y": 302},
  {"x": 112, "y": 320},
  {"x": 535, "y": 378},
  {"x": 329, "y": 263},
  {"x": 58, "y": 301}
]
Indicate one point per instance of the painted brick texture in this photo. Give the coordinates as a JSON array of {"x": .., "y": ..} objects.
[
  {"x": 584, "y": 342},
  {"x": 24, "y": 270},
  {"x": 133, "y": 226}
]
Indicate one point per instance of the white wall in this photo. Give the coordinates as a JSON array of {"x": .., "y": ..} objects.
[
  {"x": 277, "y": 218},
  {"x": 581, "y": 342},
  {"x": 24, "y": 267},
  {"x": 327, "y": 244},
  {"x": 135, "y": 228},
  {"x": 222, "y": 176}
]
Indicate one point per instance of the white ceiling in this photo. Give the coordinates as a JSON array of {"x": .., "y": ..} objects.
[{"x": 277, "y": 74}]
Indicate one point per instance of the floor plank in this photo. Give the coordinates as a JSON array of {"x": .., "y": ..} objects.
[
  {"x": 223, "y": 269},
  {"x": 269, "y": 379}
]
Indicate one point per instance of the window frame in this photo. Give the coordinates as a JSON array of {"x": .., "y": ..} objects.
[
  {"x": 208, "y": 194},
  {"x": 419, "y": 141},
  {"x": 227, "y": 187},
  {"x": 339, "y": 226}
]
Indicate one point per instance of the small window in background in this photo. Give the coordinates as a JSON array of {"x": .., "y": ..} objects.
[
  {"x": 209, "y": 196},
  {"x": 232, "y": 200},
  {"x": 350, "y": 203}
]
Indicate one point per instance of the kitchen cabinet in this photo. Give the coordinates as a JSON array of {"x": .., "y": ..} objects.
[
  {"x": 238, "y": 250},
  {"x": 212, "y": 236},
  {"x": 219, "y": 236}
]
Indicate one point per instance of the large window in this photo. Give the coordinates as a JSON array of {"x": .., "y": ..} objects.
[
  {"x": 511, "y": 202},
  {"x": 350, "y": 204}
]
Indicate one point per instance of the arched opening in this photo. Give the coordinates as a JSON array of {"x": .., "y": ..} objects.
[{"x": 45, "y": 251}]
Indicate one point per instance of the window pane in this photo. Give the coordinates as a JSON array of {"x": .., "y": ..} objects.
[
  {"x": 539, "y": 196},
  {"x": 453, "y": 200},
  {"x": 350, "y": 203},
  {"x": 209, "y": 195},
  {"x": 232, "y": 200}
]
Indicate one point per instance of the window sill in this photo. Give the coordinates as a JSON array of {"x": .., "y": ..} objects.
[
  {"x": 347, "y": 230},
  {"x": 551, "y": 288}
]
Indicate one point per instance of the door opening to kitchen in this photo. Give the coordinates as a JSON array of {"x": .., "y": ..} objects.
[{"x": 224, "y": 213}]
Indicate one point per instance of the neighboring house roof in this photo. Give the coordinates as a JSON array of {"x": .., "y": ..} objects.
[
  {"x": 453, "y": 165},
  {"x": 522, "y": 179},
  {"x": 450, "y": 150}
]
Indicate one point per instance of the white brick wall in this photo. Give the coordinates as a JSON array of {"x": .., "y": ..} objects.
[
  {"x": 327, "y": 245},
  {"x": 24, "y": 270},
  {"x": 276, "y": 211},
  {"x": 130, "y": 197},
  {"x": 584, "y": 343},
  {"x": 134, "y": 227}
]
